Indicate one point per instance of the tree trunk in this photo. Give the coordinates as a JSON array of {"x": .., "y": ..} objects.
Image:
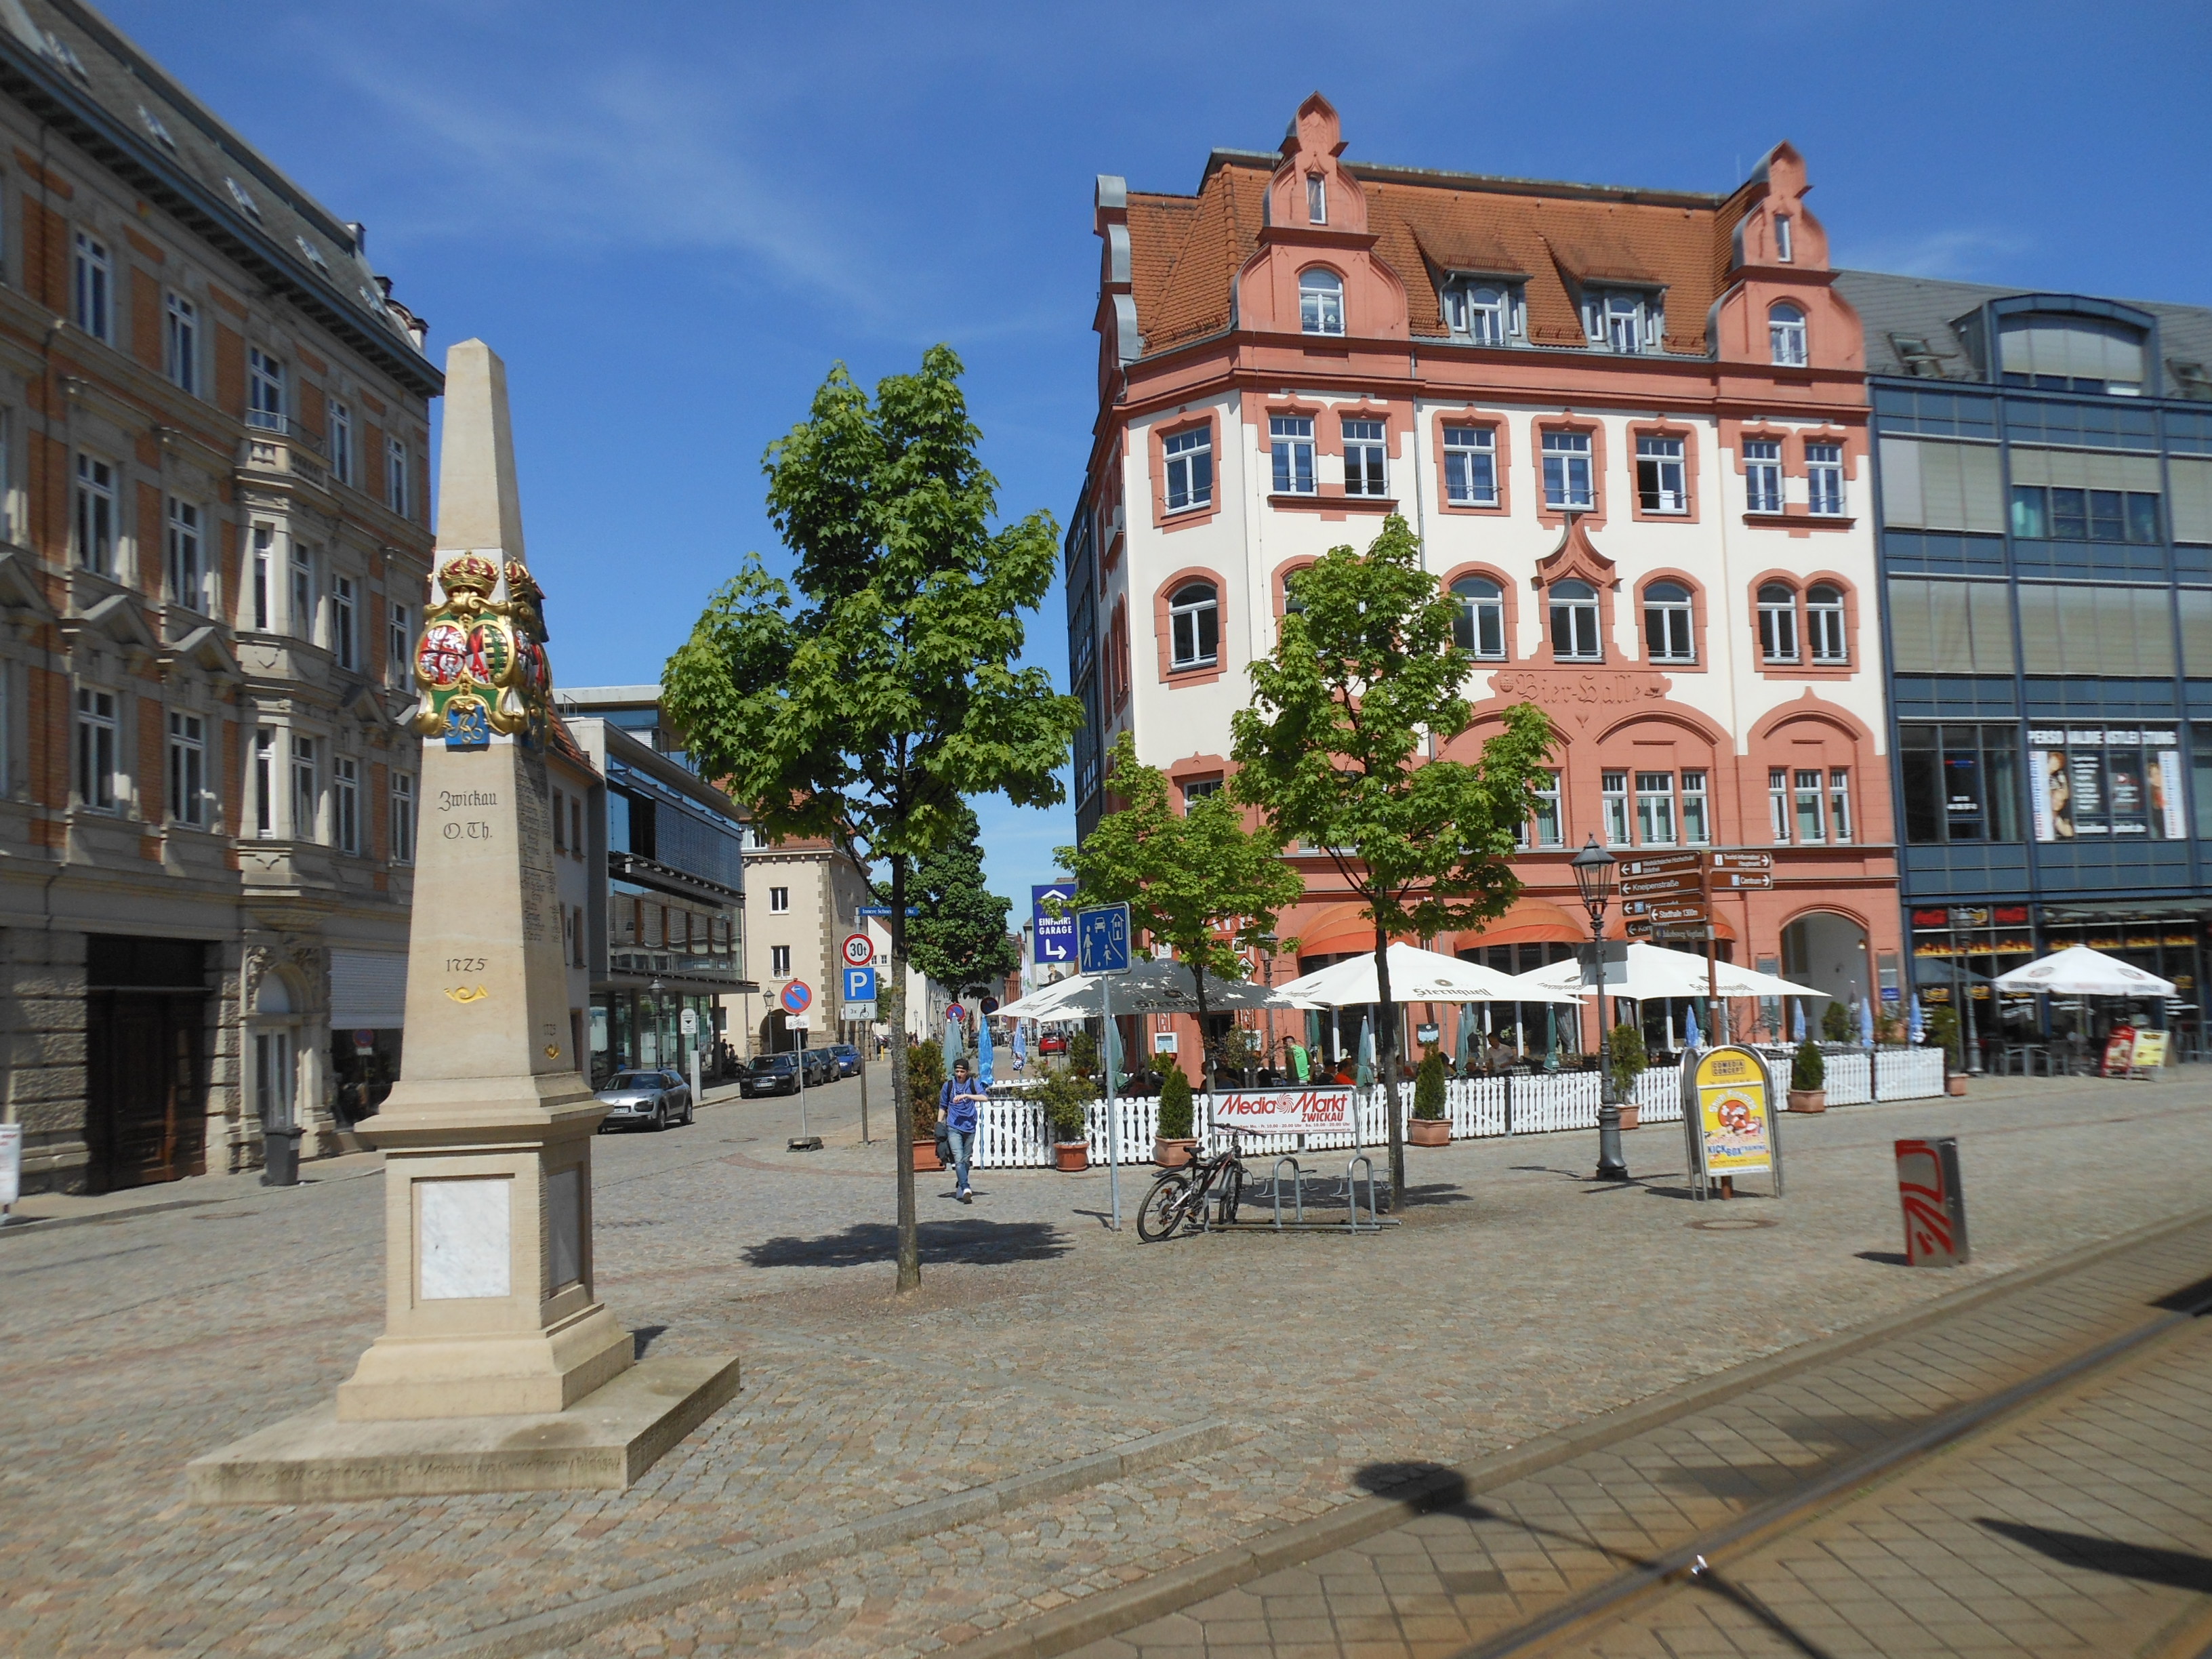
[
  {"x": 909, "y": 1241},
  {"x": 1205, "y": 1057},
  {"x": 1388, "y": 1037}
]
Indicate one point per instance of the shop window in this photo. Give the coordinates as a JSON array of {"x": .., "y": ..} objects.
[
  {"x": 2105, "y": 783},
  {"x": 1960, "y": 782}
]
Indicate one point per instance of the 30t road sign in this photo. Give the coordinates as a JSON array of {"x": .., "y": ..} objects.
[{"x": 860, "y": 950}]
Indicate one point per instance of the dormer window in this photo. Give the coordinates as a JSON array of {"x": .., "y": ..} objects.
[
  {"x": 1320, "y": 301},
  {"x": 1782, "y": 238},
  {"x": 1317, "y": 199},
  {"x": 1484, "y": 313},
  {"x": 1785, "y": 334},
  {"x": 2055, "y": 352},
  {"x": 1625, "y": 322}
]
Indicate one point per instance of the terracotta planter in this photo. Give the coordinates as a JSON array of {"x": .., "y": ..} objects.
[
  {"x": 1629, "y": 1114},
  {"x": 1808, "y": 1100},
  {"x": 1172, "y": 1154},
  {"x": 1956, "y": 1085},
  {"x": 1071, "y": 1156},
  {"x": 926, "y": 1157},
  {"x": 1429, "y": 1131}
]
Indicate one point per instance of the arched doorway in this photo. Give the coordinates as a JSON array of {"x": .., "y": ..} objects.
[
  {"x": 1828, "y": 952},
  {"x": 776, "y": 1036},
  {"x": 273, "y": 1044}
]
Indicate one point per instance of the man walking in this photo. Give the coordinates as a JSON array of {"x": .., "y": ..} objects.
[{"x": 956, "y": 1110}]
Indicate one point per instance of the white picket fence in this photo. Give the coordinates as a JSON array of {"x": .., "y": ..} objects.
[{"x": 1012, "y": 1131}]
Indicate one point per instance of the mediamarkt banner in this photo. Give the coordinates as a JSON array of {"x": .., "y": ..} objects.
[{"x": 1308, "y": 1111}]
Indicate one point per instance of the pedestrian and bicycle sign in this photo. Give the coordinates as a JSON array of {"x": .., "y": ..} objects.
[
  {"x": 797, "y": 997},
  {"x": 860, "y": 950},
  {"x": 859, "y": 985},
  {"x": 1102, "y": 937}
]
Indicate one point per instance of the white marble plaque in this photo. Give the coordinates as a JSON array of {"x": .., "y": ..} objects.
[
  {"x": 564, "y": 1224},
  {"x": 462, "y": 1238}
]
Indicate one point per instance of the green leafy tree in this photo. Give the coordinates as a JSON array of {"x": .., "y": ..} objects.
[
  {"x": 864, "y": 700},
  {"x": 1836, "y": 1024},
  {"x": 957, "y": 934},
  {"x": 1198, "y": 881},
  {"x": 1362, "y": 691}
]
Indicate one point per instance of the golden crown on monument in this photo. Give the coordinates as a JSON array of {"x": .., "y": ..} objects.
[{"x": 471, "y": 576}]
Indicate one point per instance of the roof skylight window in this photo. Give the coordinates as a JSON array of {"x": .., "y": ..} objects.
[
  {"x": 154, "y": 125},
  {"x": 314, "y": 254},
  {"x": 64, "y": 54},
  {"x": 238, "y": 194}
]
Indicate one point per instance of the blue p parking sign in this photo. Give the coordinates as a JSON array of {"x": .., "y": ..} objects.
[{"x": 859, "y": 985}]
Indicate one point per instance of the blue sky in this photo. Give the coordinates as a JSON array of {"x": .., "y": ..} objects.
[{"x": 671, "y": 218}]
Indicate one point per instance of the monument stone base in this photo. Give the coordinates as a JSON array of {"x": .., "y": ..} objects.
[{"x": 602, "y": 1443}]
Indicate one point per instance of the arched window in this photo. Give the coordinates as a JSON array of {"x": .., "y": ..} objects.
[
  {"x": 1320, "y": 301},
  {"x": 1777, "y": 623},
  {"x": 1480, "y": 627},
  {"x": 1574, "y": 621},
  {"x": 1195, "y": 626},
  {"x": 1667, "y": 636},
  {"x": 1823, "y": 623},
  {"x": 1785, "y": 332}
]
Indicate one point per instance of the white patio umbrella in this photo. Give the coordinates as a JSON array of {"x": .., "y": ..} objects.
[
  {"x": 1416, "y": 976},
  {"x": 1154, "y": 987},
  {"x": 1651, "y": 974},
  {"x": 2078, "y": 971}
]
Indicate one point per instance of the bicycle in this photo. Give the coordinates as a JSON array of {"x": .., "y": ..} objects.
[{"x": 1178, "y": 1199}]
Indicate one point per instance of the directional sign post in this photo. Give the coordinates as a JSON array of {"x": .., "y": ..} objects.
[
  {"x": 797, "y": 998},
  {"x": 1054, "y": 934},
  {"x": 1102, "y": 941}
]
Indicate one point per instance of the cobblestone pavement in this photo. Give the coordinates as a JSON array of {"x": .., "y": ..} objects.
[{"x": 1517, "y": 1298}]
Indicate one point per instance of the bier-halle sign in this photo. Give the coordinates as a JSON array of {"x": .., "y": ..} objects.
[
  {"x": 1279, "y": 1111},
  {"x": 1735, "y": 1113}
]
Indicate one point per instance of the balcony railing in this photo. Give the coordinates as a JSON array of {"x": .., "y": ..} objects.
[{"x": 286, "y": 426}]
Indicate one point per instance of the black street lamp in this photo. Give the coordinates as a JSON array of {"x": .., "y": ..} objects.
[{"x": 1594, "y": 869}]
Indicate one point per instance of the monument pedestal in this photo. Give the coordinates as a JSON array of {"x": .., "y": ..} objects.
[{"x": 499, "y": 1369}]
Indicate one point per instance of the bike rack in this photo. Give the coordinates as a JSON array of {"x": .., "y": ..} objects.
[
  {"x": 1297, "y": 1188},
  {"x": 1352, "y": 1196}
]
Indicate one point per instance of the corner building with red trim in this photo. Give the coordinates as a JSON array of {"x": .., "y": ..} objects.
[{"x": 1629, "y": 428}]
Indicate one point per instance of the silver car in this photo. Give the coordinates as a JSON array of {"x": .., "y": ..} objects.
[{"x": 656, "y": 1099}]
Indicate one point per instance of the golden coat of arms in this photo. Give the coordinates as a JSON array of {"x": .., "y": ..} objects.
[{"x": 480, "y": 665}]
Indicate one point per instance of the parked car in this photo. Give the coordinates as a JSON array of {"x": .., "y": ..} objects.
[
  {"x": 656, "y": 1099},
  {"x": 848, "y": 1058},
  {"x": 1052, "y": 1045},
  {"x": 770, "y": 1074},
  {"x": 821, "y": 1067}
]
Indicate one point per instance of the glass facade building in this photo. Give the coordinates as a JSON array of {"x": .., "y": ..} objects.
[{"x": 2043, "y": 502}]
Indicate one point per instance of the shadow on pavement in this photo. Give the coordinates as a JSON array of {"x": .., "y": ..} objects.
[
  {"x": 984, "y": 1242},
  {"x": 1887, "y": 1258},
  {"x": 2176, "y": 1569}
]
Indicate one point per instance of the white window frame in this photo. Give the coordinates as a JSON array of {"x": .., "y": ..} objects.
[
  {"x": 1290, "y": 450},
  {"x": 306, "y": 797},
  {"x": 98, "y": 747},
  {"x": 1762, "y": 474},
  {"x": 186, "y": 556},
  {"x": 1583, "y": 626},
  {"x": 301, "y": 593},
  {"x": 1625, "y": 321},
  {"x": 1655, "y": 809},
  {"x": 398, "y": 644},
  {"x": 93, "y": 517},
  {"x": 1480, "y": 627},
  {"x": 345, "y": 803},
  {"x": 1570, "y": 474},
  {"x": 345, "y": 603},
  {"x": 1661, "y": 473},
  {"x": 1673, "y": 617},
  {"x": 1546, "y": 827},
  {"x": 1778, "y": 624},
  {"x": 341, "y": 420},
  {"x": 181, "y": 342},
  {"x": 1188, "y": 461},
  {"x": 1840, "y": 805},
  {"x": 265, "y": 390},
  {"x": 92, "y": 293},
  {"x": 1189, "y": 620},
  {"x": 1784, "y": 252},
  {"x": 1613, "y": 795},
  {"x": 1827, "y": 641},
  {"x": 261, "y": 554},
  {"x": 1809, "y": 787},
  {"x": 1777, "y": 803},
  {"x": 402, "y": 790},
  {"x": 1823, "y": 479},
  {"x": 779, "y": 901},
  {"x": 395, "y": 476},
  {"x": 1366, "y": 456},
  {"x": 1697, "y": 809},
  {"x": 1785, "y": 335},
  {"x": 1320, "y": 301},
  {"x": 779, "y": 962},
  {"x": 1471, "y": 465},
  {"x": 265, "y": 782},
  {"x": 1317, "y": 199}
]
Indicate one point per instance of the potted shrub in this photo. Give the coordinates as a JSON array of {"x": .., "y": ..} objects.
[
  {"x": 1429, "y": 1126},
  {"x": 1942, "y": 1025},
  {"x": 1083, "y": 1054},
  {"x": 1065, "y": 1095},
  {"x": 925, "y": 1074},
  {"x": 1836, "y": 1024},
  {"x": 1626, "y": 1054},
  {"x": 1809, "y": 1079},
  {"x": 1174, "y": 1144}
]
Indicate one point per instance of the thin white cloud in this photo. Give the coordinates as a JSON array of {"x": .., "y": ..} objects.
[{"x": 1960, "y": 255}]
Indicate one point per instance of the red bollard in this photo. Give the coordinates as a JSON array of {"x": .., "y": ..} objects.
[{"x": 1935, "y": 1202}]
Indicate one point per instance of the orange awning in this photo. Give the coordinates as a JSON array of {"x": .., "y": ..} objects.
[
  {"x": 1332, "y": 932},
  {"x": 1529, "y": 921}
]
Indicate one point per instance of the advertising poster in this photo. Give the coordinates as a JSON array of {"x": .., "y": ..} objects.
[
  {"x": 2119, "y": 1051},
  {"x": 1292, "y": 1111},
  {"x": 2049, "y": 796},
  {"x": 2150, "y": 1049},
  {"x": 2166, "y": 798},
  {"x": 1735, "y": 1118}
]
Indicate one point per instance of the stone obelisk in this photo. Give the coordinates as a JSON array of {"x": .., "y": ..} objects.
[{"x": 499, "y": 1368}]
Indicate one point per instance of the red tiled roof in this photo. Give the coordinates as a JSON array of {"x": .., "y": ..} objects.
[{"x": 1185, "y": 251}]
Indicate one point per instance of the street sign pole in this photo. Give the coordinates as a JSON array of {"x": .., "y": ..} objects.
[
  {"x": 1103, "y": 947},
  {"x": 1113, "y": 1125}
]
